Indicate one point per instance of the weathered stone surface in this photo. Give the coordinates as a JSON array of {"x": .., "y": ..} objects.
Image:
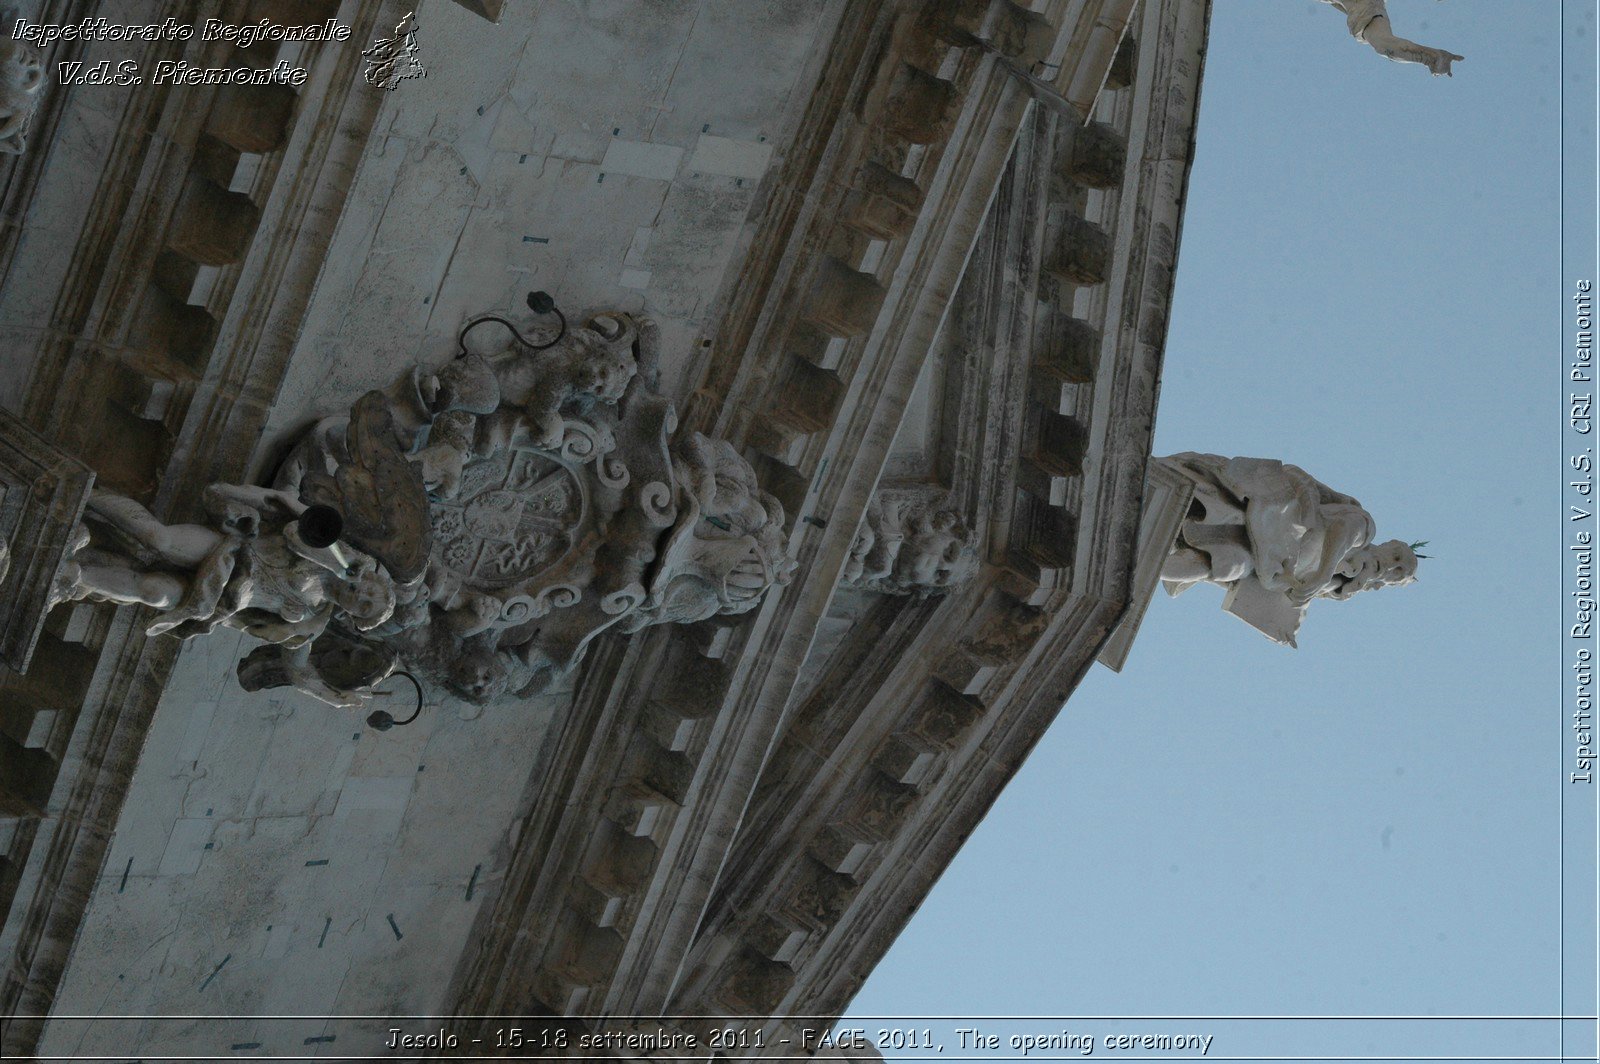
[
  {"x": 21, "y": 81},
  {"x": 1094, "y": 155},
  {"x": 42, "y": 494},
  {"x": 1082, "y": 252}
]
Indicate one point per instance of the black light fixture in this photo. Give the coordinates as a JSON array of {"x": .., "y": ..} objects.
[
  {"x": 382, "y": 720},
  {"x": 321, "y": 526},
  {"x": 539, "y": 303}
]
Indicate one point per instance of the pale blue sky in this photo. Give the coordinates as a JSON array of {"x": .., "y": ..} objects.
[{"x": 1368, "y": 288}]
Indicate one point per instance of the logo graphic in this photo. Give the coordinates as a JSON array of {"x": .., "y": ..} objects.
[{"x": 392, "y": 60}]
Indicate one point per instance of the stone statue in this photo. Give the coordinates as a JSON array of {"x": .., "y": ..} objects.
[
  {"x": 249, "y": 569},
  {"x": 1369, "y": 23},
  {"x": 1276, "y": 538},
  {"x": 21, "y": 78},
  {"x": 911, "y": 541}
]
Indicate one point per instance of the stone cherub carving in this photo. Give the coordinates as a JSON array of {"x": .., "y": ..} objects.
[
  {"x": 526, "y": 389},
  {"x": 1277, "y": 539},
  {"x": 1369, "y": 23},
  {"x": 911, "y": 541},
  {"x": 21, "y": 78},
  {"x": 251, "y": 567}
]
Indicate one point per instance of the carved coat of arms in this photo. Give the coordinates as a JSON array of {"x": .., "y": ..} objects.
[{"x": 491, "y": 518}]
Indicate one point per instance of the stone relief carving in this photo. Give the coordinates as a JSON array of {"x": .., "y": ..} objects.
[
  {"x": 912, "y": 541},
  {"x": 21, "y": 78},
  {"x": 1276, "y": 538},
  {"x": 497, "y": 516},
  {"x": 1369, "y": 23}
]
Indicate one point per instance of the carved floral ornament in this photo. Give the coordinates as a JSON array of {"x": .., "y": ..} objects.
[{"x": 497, "y": 515}]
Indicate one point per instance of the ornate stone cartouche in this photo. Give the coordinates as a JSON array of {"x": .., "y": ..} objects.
[{"x": 498, "y": 515}]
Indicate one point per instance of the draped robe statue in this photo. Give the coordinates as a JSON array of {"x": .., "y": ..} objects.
[{"x": 1277, "y": 539}]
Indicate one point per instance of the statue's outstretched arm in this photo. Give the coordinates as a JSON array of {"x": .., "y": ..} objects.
[
  {"x": 273, "y": 629},
  {"x": 1390, "y": 46},
  {"x": 1369, "y": 22}
]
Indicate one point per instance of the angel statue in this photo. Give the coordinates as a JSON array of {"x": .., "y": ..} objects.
[
  {"x": 1277, "y": 539},
  {"x": 1369, "y": 23},
  {"x": 322, "y": 609}
]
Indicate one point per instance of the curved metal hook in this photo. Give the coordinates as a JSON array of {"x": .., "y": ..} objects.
[
  {"x": 540, "y": 303},
  {"x": 382, "y": 720}
]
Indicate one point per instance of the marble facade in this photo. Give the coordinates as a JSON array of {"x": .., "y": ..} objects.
[{"x": 865, "y": 305}]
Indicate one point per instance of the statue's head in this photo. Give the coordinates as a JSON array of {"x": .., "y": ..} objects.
[
  {"x": 606, "y": 375},
  {"x": 1398, "y": 562},
  {"x": 478, "y": 674},
  {"x": 21, "y": 66},
  {"x": 367, "y": 594},
  {"x": 1390, "y": 564},
  {"x": 606, "y": 366},
  {"x": 936, "y": 553}
]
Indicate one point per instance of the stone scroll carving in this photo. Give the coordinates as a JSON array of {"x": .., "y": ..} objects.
[
  {"x": 499, "y": 514},
  {"x": 912, "y": 541},
  {"x": 1369, "y": 23},
  {"x": 1277, "y": 539},
  {"x": 21, "y": 78}
]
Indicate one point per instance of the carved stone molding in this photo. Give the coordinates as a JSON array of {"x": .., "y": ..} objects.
[
  {"x": 927, "y": 707},
  {"x": 42, "y": 494}
]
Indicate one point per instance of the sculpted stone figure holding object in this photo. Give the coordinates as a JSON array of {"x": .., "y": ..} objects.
[
  {"x": 1369, "y": 23},
  {"x": 251, "y": 570},
  {"x": 1276, "y": 537}
]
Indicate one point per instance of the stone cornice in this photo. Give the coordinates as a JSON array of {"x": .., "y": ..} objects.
[
  {"x": 822, "y": 352},
  {"x": 897, "y": 754}
]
